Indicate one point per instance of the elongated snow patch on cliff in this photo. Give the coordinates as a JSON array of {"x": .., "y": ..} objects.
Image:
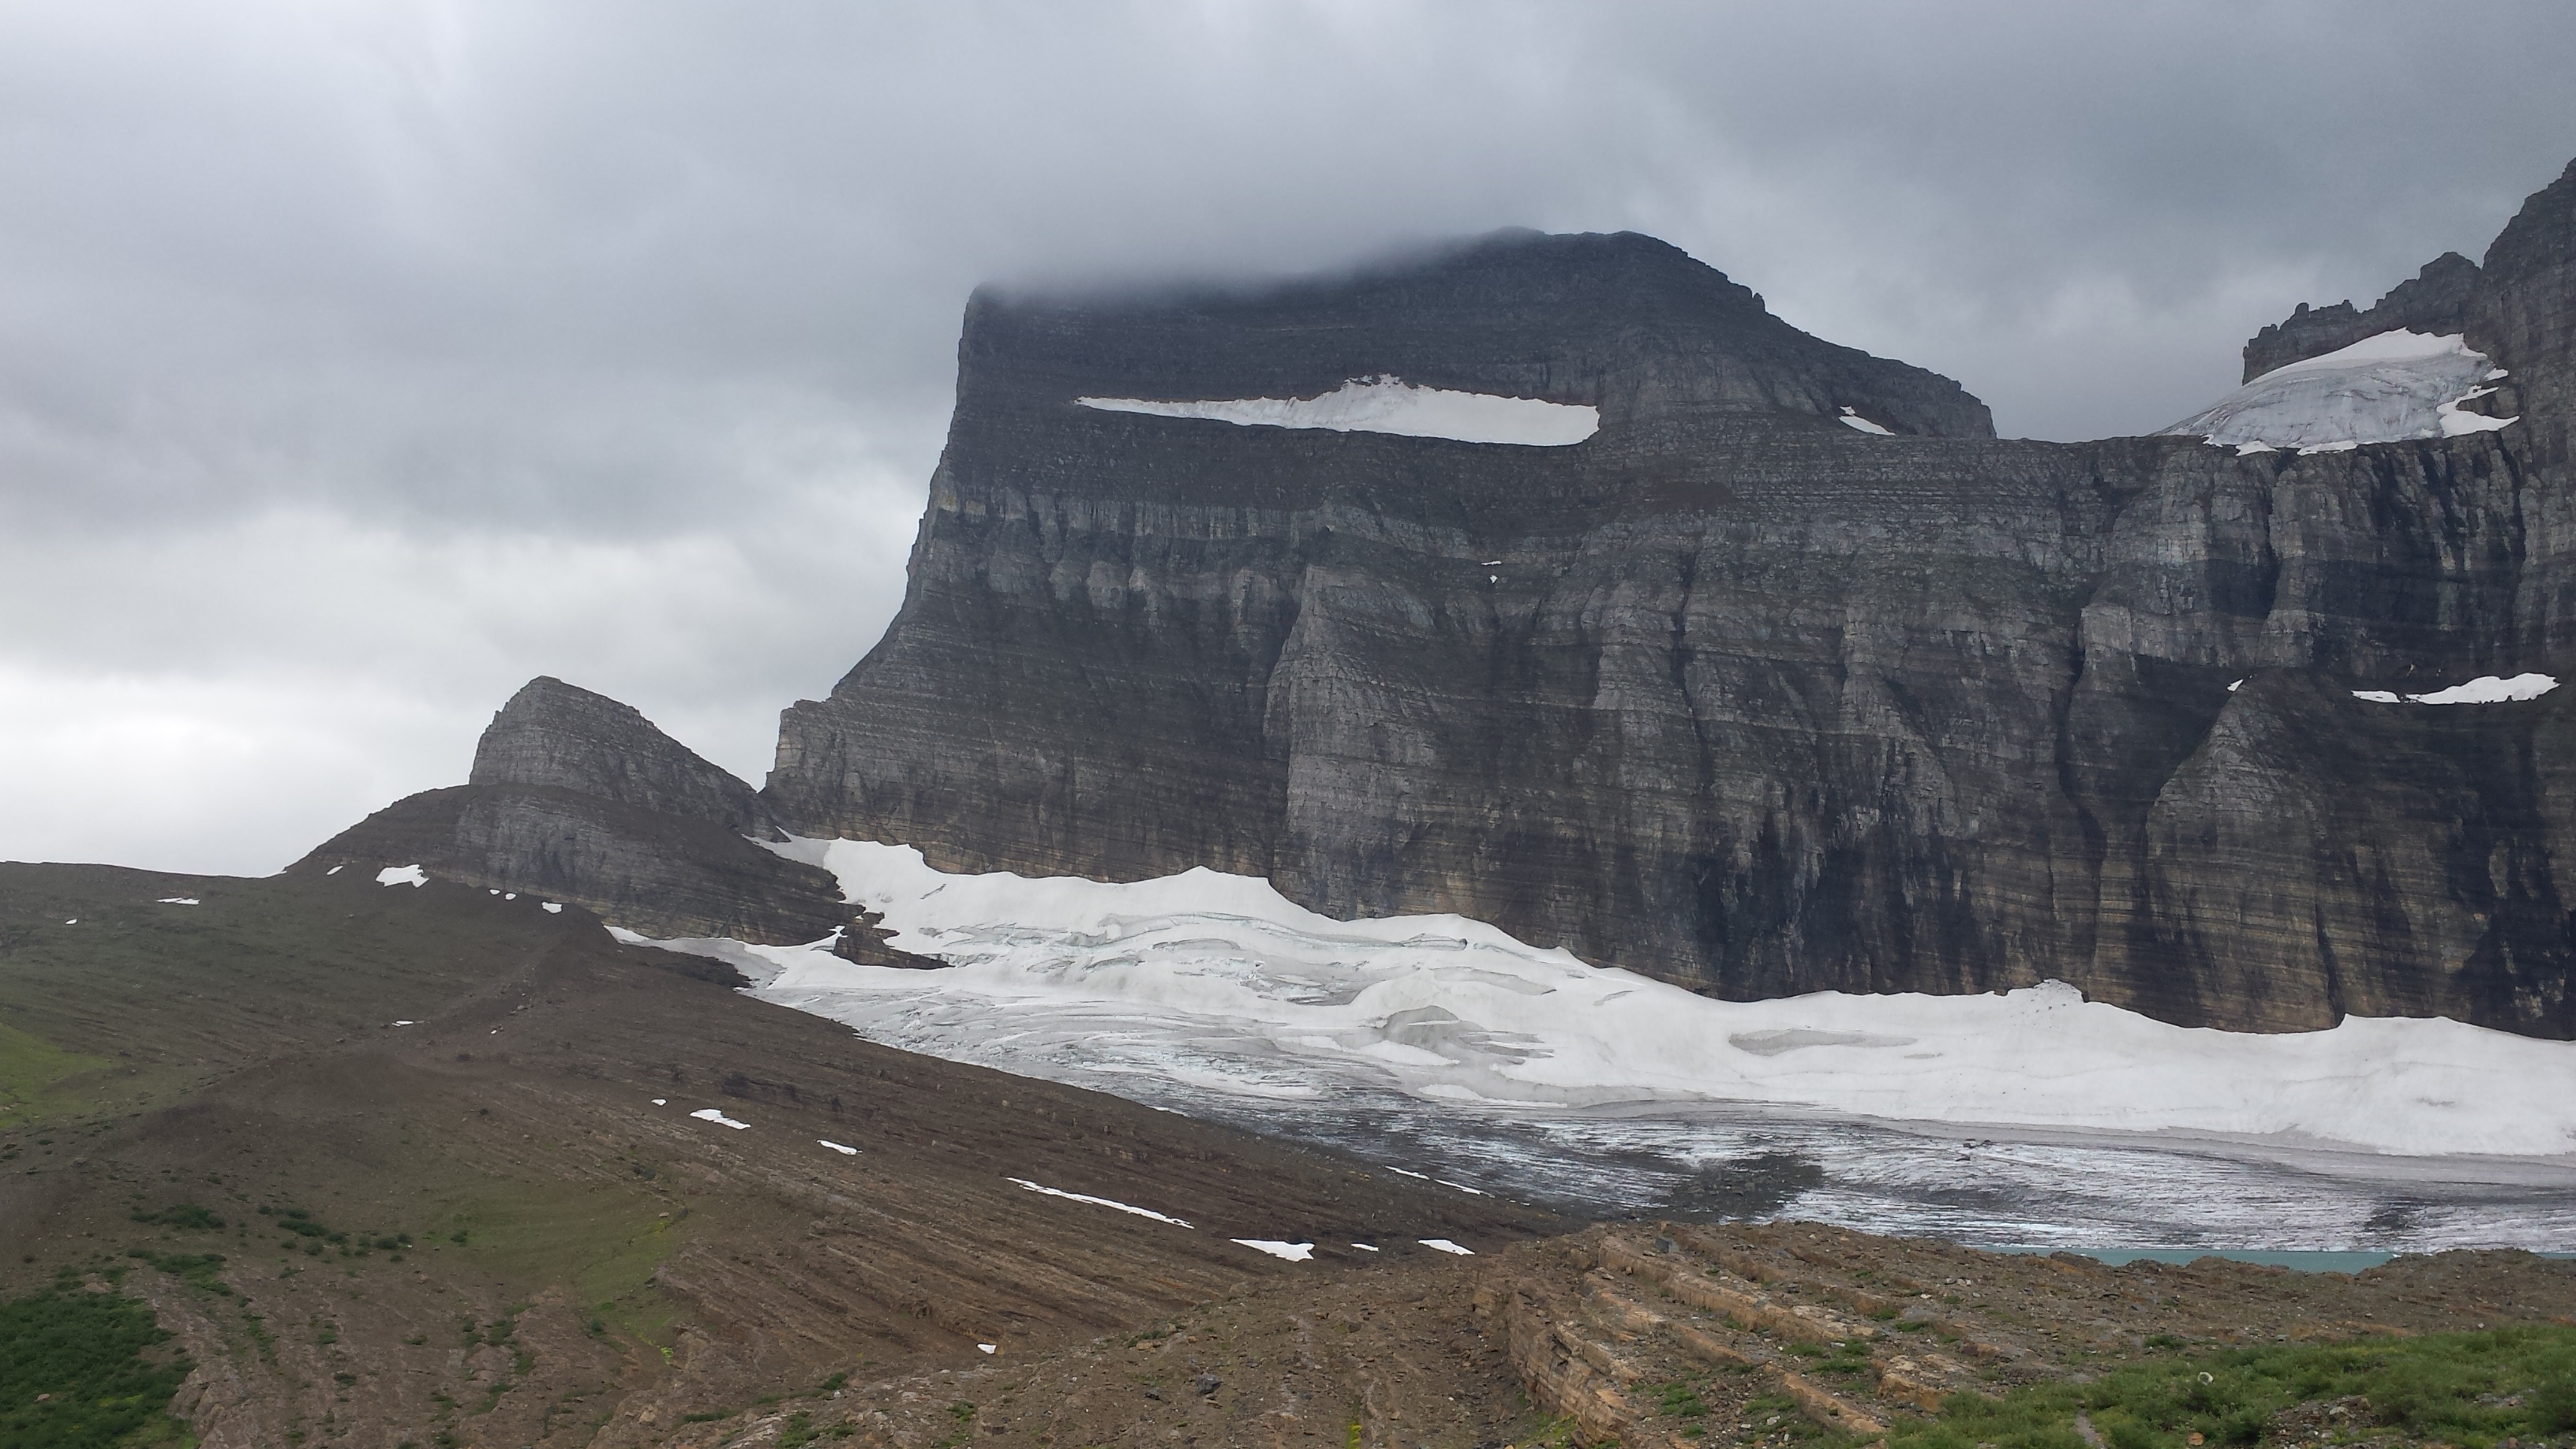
[
  {"x": 2382, "y": 389},
  {"x": 1389, "y": 405},
  {"x": 1218, "y": 983},
  {"x": 2485, "y": 689}
]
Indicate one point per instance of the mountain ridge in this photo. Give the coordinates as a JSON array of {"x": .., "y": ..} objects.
[{"x": 1739, "y": 692}]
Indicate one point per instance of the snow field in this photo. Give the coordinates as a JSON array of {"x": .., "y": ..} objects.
[
  {"x": 1387, "y": 404},
  {"x": 1217, "y": 983}
]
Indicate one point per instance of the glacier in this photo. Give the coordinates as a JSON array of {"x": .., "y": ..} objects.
[
  {"x": 1438, "y": 1044},
  {"x": 2383, "y": 389}
]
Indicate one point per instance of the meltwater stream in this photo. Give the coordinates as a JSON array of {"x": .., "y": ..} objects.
[{"x": 1444, "y": 1048}]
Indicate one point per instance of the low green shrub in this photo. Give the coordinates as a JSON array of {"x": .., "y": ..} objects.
[
  {"x": 2467, "y": 1389},
  {"x": 74, "y": 1372}
]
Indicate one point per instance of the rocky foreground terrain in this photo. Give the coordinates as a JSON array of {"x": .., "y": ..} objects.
[{"x": 389, "y": 1162}]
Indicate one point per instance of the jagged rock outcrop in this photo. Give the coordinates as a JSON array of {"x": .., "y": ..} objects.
[
  {"x": 578, "y": 798},
  {"x": 1731, "y": 693},
  {"x": 2519, "y": 308},
  {"x": 553, "y": 735},
  {"x": 2440, "y": 300},
  {"x": 657, "y": 874}
]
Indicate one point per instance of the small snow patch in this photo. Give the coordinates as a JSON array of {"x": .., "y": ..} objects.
[
  {"x": 989, "y": 1347},
  {"x": 406, "y": 1023},
  {"x": 710, "y": 1114},
  {"x": 1363, "y": 1247},
  {"x": 509, "y": 895},
  {"x": 2240, "y": 684},
  {"x": 1443, "y": 1245},
  {"x": 1293, "y": 1252},
  {"x": 1407, "y": 1172},
  {"x": 554, "y": 908},
  {"x": 837, "y": 1147},
  {"x": 179, "y": 901},
  {"x": 335, "y": 870},
  {"x": 74, "y": 921},
  {"x": 661, "y": 1101},
  {"x": 1462, "y": 1187},
  {"x": 1852, "y": 419},
  {"x": 410, "y": 875},
  {"x": 2457, "y": 424},
  {"x": 2485, "y": 689},
  {"x": 1387, "y": 404},
  {"x": 1097, "y": 1201}
]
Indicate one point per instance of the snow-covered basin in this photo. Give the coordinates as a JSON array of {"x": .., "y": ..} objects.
[
  {"x": 1387, "y": 404},
  {"x": 2382, "y": 389},
  {"x": 1220, "y": 982}
]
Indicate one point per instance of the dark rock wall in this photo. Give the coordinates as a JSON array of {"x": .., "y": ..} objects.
[
  {"x": 2441, "y": 300},
  {"x": 1731, "y": 694}
]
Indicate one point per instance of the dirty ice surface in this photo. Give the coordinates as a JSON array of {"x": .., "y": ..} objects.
[
  {"x": 1389, "y": 405},
  {"x": 1442, "y": 1044},
  {"x": 2381, "y": 389}
]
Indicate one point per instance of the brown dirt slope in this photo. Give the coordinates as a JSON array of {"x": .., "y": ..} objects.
[
  {"x": 581, "y": 1264},
  {"x": 480, "y": 1229}
]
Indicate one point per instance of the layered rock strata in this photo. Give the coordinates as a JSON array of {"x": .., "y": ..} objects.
[
  {"x": 578, "y": 798},
  {"x": 1734, "y": 692}
]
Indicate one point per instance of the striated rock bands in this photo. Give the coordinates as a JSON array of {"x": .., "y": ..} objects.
[
  {"x": 554, "y": 735},
  {"x": 660, "y": 875},
  {"x": 579, "y": 799},
  {"x": 1729, "y": 692}
]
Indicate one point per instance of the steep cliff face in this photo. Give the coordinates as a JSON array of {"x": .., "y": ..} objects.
[{"x": 1732, "y": 693}]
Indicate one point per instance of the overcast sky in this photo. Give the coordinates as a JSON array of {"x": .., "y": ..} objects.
[{"x": 360, "y": 360}]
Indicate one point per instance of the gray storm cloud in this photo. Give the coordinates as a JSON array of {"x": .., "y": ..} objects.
[{"x": 358, "y": 361}]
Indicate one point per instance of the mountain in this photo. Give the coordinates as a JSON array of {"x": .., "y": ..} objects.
[
  {"x": 1789, "y": 678},
  {"x": 1547, "y": 580},
  {"x": 1553, "y": 582}
]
